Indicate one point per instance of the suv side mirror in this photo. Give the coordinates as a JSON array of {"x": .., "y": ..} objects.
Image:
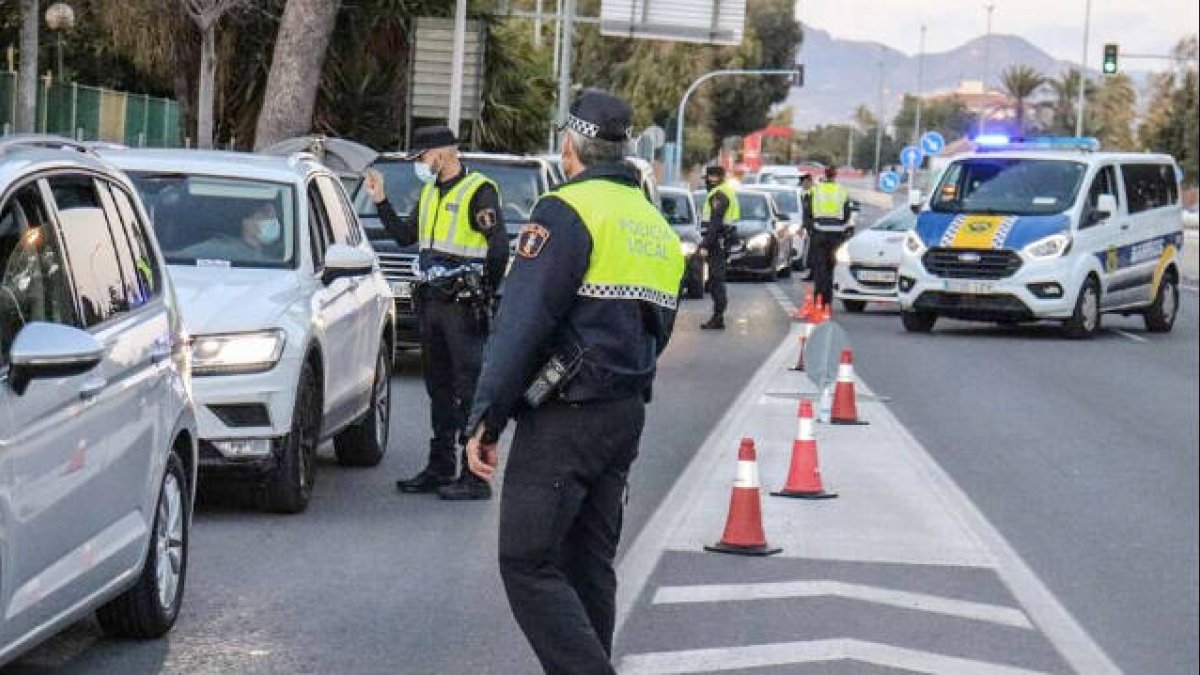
[
  {"x": 1106, "y": 205},
  {"x": 346, "y": 261},
  {"x": 915, "y": 200},
  {"x": 47, "y": 350}
]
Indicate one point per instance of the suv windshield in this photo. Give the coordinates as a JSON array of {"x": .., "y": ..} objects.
[
  {"x": 232, "y": 222},
  {"x": 1023, "y": 187},
  {"x": 520, "y": 186},
  {"x": 402, "y": 185},
  {"x": 785, "y": 201},
  {"x": 676, "y": 208},
  {"x": 897, "y": 220},
  {"x": 753, "y": 206}
]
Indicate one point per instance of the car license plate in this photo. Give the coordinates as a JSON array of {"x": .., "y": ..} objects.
[
  {"x": 879, "y": 276},
  {"x": 402, "y": 289},
  {"x": 970, "y": 287}
]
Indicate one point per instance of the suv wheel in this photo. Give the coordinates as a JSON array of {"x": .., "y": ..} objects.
[
  {"x": 289, "y": 487},
  {"x": 149, "y": 609},
  {"x": 364, "y": 442},
  {"x": 918, "y": 322},
  {"x": 1160, "y": 315},
  {"x": 1085, "y": 320}
]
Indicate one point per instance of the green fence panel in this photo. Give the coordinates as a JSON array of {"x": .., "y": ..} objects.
[{"x": 90, "y": 113}]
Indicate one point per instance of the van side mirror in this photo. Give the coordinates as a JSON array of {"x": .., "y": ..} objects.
[{"x": 1106, "y": 205}]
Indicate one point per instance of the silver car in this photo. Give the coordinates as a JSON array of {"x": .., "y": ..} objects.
[{"x": 97, "y": 430}]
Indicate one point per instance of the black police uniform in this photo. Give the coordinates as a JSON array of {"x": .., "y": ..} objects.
[
  {"x": 821, "y": 251},
  {"x": 453, "y": 332},
  {"x": 561, "y": 508},
  {"x": 714, "y": 244}
]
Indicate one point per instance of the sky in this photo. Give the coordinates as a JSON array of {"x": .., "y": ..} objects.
[{"x": 1138, "y": 26}]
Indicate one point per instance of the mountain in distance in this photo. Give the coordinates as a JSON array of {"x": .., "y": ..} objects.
[{"x": 841, "y": 74}]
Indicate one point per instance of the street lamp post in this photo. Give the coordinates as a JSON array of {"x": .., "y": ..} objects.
[
  {"x": 987, "y": 57},
  {"x": 1087, "y": 24},
  {"x": 920, "y": 77},
  {"x": 678, "y": 163},
  {"x": 59, "y": 18},
  {"x": 879, "y": 116}
]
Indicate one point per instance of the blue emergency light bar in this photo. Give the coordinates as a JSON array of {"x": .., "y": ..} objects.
[{"x": 986, "y": 142}]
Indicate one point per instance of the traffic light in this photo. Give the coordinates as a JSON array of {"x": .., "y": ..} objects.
[{"x": 1110, "y": 58}]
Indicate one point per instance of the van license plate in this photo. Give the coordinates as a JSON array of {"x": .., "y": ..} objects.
[
  {"x": 970, "y": 287},
  {"x": 402, "y": 289}
]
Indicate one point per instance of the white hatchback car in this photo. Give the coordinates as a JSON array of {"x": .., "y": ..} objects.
[
  {"x": 291, "y": 319},
  {"x": 867, "y": 262}
]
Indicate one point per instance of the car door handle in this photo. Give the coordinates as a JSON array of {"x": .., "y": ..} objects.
[
  {"x": 1124, "y": 226},
  {"x": 92, "y": 388}
]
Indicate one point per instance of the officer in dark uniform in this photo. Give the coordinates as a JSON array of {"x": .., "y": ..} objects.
[
  {"x": 806, "y": 221},
  {"x": 830, "y": 207},
  {"x": 720, "y": 211},
  {"x": 463, "y": 255},
  {"x": 588, "y": 306}
]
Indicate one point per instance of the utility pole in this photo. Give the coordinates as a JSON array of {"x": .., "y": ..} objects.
[
  {"x": 456, "y": 65},
  {"x": 1087, "y": 25},
  {"x": 537, "y": 26},
  {"x": 987, "y": 59},
  {"x": 850, "y": 145},
  {"x": 567, "y": 22},
  {"x": 879, "y": 115},
  {"x": 27, "y": 73},
  {"x": 920, "y": 77}
]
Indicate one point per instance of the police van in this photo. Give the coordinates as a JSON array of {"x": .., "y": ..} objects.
[{"x": 1046, "y": 229}]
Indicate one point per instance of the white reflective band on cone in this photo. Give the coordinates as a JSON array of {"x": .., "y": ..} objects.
[
  {"x": 747, "y": 475},
  {"x": 806, "y": 429},
  {"x": 845, "y": 373},
  {"x": 808, "y": 330}
]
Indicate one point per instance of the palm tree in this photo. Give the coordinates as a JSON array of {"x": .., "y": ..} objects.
[
  {"x": 1020, "y": 82},
  {"x": 1066, "y": 94}
]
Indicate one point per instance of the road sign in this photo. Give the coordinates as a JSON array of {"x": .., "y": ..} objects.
[
  {"x": 910, "y": 157},
  {"x": 429, "y": 69},
  {"x": 719, "y": 22},
  {"x": 889, "y": 181},
  {"x": 932, "y": 143}
]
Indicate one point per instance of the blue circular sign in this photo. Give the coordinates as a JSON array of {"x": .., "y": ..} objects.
[
  {"x": 889, "y": 181},
  {"x": 910, "y": 157},
  {"x": 932, "y": 142}
]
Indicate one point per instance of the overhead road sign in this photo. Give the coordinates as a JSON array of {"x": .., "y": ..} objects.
[
  {"x": 719, "y": 22},
  {"x": 932, "y": 143}
]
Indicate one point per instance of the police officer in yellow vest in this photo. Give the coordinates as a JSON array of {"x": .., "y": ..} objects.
[
  {"x": 463, "y": 255},
  {"x": 830, "y": 216},
  {"x": 720, "y": 212},
  {"x": 588, "y": 306}
]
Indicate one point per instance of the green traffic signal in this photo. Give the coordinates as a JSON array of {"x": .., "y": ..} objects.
[{"x": 1110, "y": 59}]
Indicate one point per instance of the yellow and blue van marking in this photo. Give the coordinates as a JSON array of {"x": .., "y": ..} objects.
[{"x": 983, "y": 231}]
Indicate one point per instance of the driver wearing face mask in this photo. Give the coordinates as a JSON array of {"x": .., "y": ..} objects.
[{"x": 261, "y": 228}]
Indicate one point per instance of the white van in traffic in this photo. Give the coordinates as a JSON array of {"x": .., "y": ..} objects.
[{"x": 1046, "y": 229}]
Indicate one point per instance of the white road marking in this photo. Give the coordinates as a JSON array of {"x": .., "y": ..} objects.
[
  {"x": 1190, "y": 289},
  {"x": 781, "y": 297},
  {"x": 812, "y": 651},
  {"x": 1127, "y": 334},
  {"x": 1005, "y": 616}
]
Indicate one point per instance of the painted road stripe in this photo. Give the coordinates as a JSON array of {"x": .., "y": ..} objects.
[
  {"x": 814, "y": 651},
  {"x": 782, "y": 298},
  {"x": 1006, "y": 616},
  {"x": 1127, "y": 334}
]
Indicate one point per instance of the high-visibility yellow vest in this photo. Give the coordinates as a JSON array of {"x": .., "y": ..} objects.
[
  {"x": 828, "y": 200},
  {"x": 733, "y": 212},
  {"x": 635, "y": 253},
  {"x": 444, "y": 223}
]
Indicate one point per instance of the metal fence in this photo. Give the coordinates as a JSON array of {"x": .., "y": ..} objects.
[{"x": 94, "y": 114}]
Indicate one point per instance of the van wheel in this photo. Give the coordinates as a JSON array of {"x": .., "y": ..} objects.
[
  {"x": 1160, "y": 315},
  {"x": 149, "y": 609},
  {"x": 365, "y": 442},
  {"x": 854, "y": 306},
  {"x": 289, "y": 487},
  {"x": 1085, "y": 320},
  {"x": 918, "y": 322}
]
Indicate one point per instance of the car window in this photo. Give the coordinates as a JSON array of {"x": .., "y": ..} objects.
[
  {"x": 1149, "y": 186},
  {"x": 149, "y": 275},
  {"x": 319, "y": 232},
  {"x": 785, "y": 201},
  {"x": 676, "y": 208},
  {"x": 520, "y": 186},
  {"x": 897, "y": 220},
  {"x": 219, "y": 221},
  {"x": 89, "y": 248},
  {"x": 135, "y": 291},
  {"x": 341, "y": 223},
  {"x": 33, "y": 284},
  {"x": 753, "y": 206},
  {"x": 1104, "y": 183}
]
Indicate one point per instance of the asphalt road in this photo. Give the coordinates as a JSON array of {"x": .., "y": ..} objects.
[{"x": 1082, "y": 455}]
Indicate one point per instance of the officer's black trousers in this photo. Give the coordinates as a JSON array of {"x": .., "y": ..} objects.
[
  {"x": 452, "y": 350},
  {"x": 820, "y": 258},
  {"x": 716, "y": 280},
  {"x": 560, "y": 521}
]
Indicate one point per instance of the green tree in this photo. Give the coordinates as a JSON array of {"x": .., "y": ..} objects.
[
  {"x": 1115, "y": 107},
  {"x": 947, "y": 116},
  {"x": 1171, "y": 122},
  {"x": 1019, "y": 83},
  {"x": 742, "y": 104},
  {"x": 1062, "y": 107}
]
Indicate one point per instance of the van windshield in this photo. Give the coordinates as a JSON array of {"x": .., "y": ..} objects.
[{"x": 1015, "y": 186}]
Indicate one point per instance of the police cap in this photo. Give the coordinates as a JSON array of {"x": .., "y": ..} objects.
[
  {"x": 428, "y": 138},
  {"x": 598, "y": 114},
  {"x": 714, "y": 171}
]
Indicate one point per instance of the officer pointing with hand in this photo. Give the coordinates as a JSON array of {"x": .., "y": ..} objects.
[
  {"x": 588, "y": 306},
  {"x": 463, "y": 255}
]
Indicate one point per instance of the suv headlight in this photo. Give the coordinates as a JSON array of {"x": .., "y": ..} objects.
[
  {"x": 237, "y": 353},
  {"x": 1048, "y": 247},
  {"x": 759, "y": 242},
  {"x": 688, "y": 248},
  {"x": 913, "y": 244},
  {"x": 842, "y": 255}
]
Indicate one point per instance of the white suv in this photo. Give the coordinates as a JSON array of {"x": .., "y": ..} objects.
[
  {"x": 97, "y": 429},
  {"x": 291, "y": 319}
]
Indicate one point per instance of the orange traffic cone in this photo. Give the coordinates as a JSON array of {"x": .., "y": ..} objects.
[
  {"x": 805, "y": 313},
  {"x": 845, "y": 410},
  {"x": 743, "y": 527},
  {"x": 804, "y": 335},
  {"x": 804, "y": 476}
]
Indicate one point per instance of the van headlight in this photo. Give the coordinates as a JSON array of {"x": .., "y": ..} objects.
[
  {"x": 688, "y": 248},
  {"x": 913, "y": 244},
  {"x": 237, "y": 353},
  {"x": 1045, "y": 248},
  {"x": 842, "y": 255},
  {"x": 759, "y": 242}
]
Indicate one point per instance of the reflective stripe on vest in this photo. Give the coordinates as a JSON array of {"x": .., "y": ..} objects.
[
  {"x": 733, "y": 212},
  {"x": 828, "y": 201},
  {"x": 635, "y": 253},
  {"x": 445, "y": 222}
]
